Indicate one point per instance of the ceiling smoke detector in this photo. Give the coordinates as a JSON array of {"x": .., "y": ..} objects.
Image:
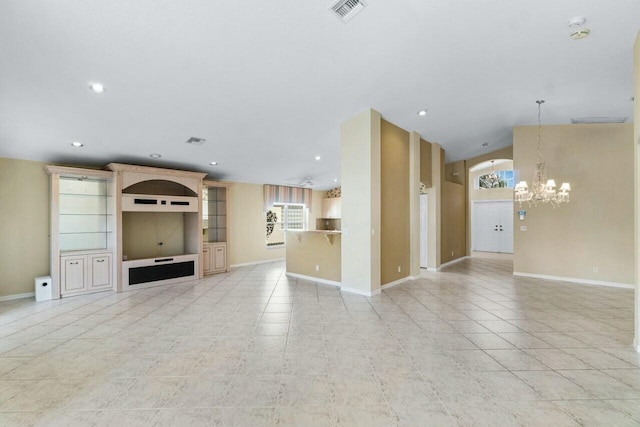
[
  {"x": 597, "y": 120},
  {"x": 345, "y": 10},
  {"x": 195, "y": 141},
  {"x": 576, "y": 29}
]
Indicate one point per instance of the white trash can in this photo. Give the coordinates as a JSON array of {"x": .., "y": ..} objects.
[{"x": 43, "y": 288}]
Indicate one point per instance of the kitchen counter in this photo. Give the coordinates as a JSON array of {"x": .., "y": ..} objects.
[{"x": 315, "y": 255}]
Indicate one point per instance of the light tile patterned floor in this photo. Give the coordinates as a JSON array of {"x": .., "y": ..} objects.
[{"x": 469, "y": 346}]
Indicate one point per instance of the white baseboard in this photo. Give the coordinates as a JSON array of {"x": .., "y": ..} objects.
[
  {"x": 431, "y": 269},
  {"x": 17, "y": 296},
  {"x": 360, "y": 291},
  {"x": 454, "y": 261},
  {"x": 397, "y": 282},
  {"x": 246, "y": 264},
  {"x": 314, "y": 279},
  {"x": 575, "y": 280}
]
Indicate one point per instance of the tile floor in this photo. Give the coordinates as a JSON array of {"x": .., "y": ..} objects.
[{"x": 470, "y": 346}]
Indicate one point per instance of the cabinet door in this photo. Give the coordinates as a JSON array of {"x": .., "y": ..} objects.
[
  {"x": 99, "y": 271},
  {"x": 336, "y": 207},
  {"x": 206, "y": 259},
  {"x": 72, "y": 275},
  {"x": 326, "y": 208},
  {"x": 219, "y": 257}
]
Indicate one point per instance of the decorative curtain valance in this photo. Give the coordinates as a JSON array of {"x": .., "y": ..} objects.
[{"x": 274, "y": 194}]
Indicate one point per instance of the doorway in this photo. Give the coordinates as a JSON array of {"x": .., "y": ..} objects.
[{"x": 492, "y": 226}]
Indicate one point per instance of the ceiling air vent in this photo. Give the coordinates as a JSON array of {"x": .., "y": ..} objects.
[
  {"x": 597, "y": 120},
  {"x": 347, "y": 9},
  {"x": 195, "y": 141}
]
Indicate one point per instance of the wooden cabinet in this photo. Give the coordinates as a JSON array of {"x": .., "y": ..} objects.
[
  {"x": 331, "y": 207},
  {"x": 84, "y": 273},
  {"x": 99, "y": 271},
  {"x": 215, "y": 227},
  {"x": 82, "y": 237},
  {"x": 214, "y": 258}
]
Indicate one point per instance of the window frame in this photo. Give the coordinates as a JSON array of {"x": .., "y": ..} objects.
[
  {"x": 510, "y": 182},
  {"x": 284, "y": 221}
]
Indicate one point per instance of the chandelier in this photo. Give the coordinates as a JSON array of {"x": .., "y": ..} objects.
[
  {"x": 492, "y": 180},
  {"x": 542, "y": 190}
]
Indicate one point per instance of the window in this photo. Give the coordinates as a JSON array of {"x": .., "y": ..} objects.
[
  {"x": 505, "y": 180},
  {"x": 283, "y": 217}
]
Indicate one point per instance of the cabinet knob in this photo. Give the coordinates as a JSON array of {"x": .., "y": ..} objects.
[{"x": 219, "y": 249}]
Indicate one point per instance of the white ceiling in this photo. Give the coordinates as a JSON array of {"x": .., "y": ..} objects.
[{"x": 268, "y": 83}]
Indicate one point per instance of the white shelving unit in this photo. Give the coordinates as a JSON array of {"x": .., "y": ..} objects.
[
  {"x": 82, "y": 230},
  {"x": 215, "y": 227}
]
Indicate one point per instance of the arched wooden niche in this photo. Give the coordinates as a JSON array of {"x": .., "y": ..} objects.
[{"x": 161, "y": 187}]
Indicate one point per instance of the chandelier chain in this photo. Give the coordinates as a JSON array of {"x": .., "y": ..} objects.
[{"x": 539, "y": 102}]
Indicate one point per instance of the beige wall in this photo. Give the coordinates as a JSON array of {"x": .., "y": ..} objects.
[
  {"x": 594, "y": 230},
  {"x": 425, "y": 163},
  {"x": 24, "y": 225},
  {"x": 503, "y": 153},
  {"x": 454, "y": 237},
  {"x": 306, "y": 250},
  {"x": 394, "y": 186},
  {"x": 434, "y": 216},
  {"x": 636, "y": 131},
  {"x": 360, "y": 175},
  {"x": 152, "y": 234},
  {"x": 453, "y": 210},
  {"x": 455, "y": 172},
  {"x": 248, "y": 226}
]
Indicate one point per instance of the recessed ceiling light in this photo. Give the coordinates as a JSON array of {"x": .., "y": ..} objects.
[
  {"x": 422, "y": 112},
  {"x": 97, "y": 87},
  {"x": 77, "y": 144},
  {"x": 155, "y": 155},
  {"x": 335, "y": 180},
  {"x": 213, "y": 163},
  {"x": 318, "y": 158}
]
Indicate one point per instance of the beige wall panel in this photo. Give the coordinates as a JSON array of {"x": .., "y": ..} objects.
[
  {"x": 455, "y": 172},
  {"x": 394, "y": 185},
  {"x": 152, "y": 234},
  {"x": 434, "y": 195},
  {"x": 503, "y": 153},
  {"x": 248, "y": 226},
  {"x": 24, "y": 225},
  {"x": 453, "y": 221},
  {"x": 426, "y": 168},
  {"x": 306, "y": 250},
  {"x": 360, "y": 175},
  {"x": 636, "y": 127},
  {"x": 594, "y": 230}
]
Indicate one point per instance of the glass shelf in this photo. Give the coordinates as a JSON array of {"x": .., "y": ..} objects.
[
  {"x": 85, "y": 214},
  {"x": 214, "y": 215}
]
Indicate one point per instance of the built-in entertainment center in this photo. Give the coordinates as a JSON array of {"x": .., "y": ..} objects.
[{"x": 130, "y": 227}]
